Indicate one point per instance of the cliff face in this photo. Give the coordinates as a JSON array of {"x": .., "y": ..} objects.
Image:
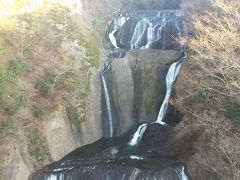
[
  {"x": 57, "y": 119},
  {"x": 60, "y": 48},
  {"x": 54, "y": 53},
  {"x": 138, "y": 82}
]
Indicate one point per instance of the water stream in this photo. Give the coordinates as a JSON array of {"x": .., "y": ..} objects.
[
  {"x": 109, "y": 111},
  {"x": 130, "y": 30},
  {"x": 138, "y": 135},
  {"x": 149, "y": 32},
  {"x": 171, "y": 76},
  {"x": 145, "y": 30}
]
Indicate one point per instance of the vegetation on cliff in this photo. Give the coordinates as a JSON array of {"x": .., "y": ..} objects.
[
  {"x": 212, "y": 100},
  {"x": 46, "y": 63}
]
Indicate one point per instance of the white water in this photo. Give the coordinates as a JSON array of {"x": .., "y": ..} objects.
[
  {"x": 113, "y": 39},
  {"x": 136, "y": 157},
  {"x": 153, "y": 27},
  {"x": 109, "y": 111},
  {"x": 138, "y": 33},
  {"x": 118, "y": 22},
  {"x": 181, "y": 174},
  {"x": 170, "y": 78},
  {"x": 55, "y": 177},
  {"x": 138, "y": 135},
  {"x": 154, "y": 33}
]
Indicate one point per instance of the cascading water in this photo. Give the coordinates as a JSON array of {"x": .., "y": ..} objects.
[
  {"x": 172, "y": 72},
  {"x": 138, "y": 135},
  {"x": 131, "y": 30},
  {"x": 109, "y": 111},
  {"x": 144, "y": 30},
  {"x": 119, "y": 20},
  {"x": 181, "y": 174},
  {"x": 170, "y": 78}
]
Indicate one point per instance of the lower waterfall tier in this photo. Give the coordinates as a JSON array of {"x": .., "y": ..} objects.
[{"x": 156, "y": 157}]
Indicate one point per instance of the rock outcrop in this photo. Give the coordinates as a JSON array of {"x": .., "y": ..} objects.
[
  {"x": 138, "y": 85},
  {"x": 13, "y": 165},
  {"x": 58, "y": 134}
]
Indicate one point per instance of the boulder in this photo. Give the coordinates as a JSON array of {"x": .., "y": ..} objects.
[{"x": 169, "y": 141}]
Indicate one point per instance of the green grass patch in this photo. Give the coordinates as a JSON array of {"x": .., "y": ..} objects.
[
  {"x": 93, "y": 49},
  {"x": 46, "y": 83},
  {"x": 70, "y": 81},
  {"x": 10, "y": 124},
  {"x": 37, "y": 146},
  {"x": 233, "y": 111},
  {"x": 19, "y": 67},
  {"x": 40, "y": 113},
  {"x": 11, "y": 97},
  {"x": 206, "y": 95},
  {"x": 17, "y": 100}
]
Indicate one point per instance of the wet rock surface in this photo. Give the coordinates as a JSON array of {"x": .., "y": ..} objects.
[
  {"x": 132, "y": 77},
  {"x": 134, "y": 88},
  {"x": 113, "y": 158},
  {"x": 147, "y": 30}
]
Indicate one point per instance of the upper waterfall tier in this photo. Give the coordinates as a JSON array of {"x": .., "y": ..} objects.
[{"x": 147, "y": 29}]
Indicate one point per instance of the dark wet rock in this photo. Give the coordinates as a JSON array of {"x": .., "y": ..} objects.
[
  {"x": 107, "y": 159},
  {"x": 111, "y": 170},
  {"x": 169, "y": 141},
  {"x": 137, "y": 87},
  {"x": 132, "y": 96},
  {"x": 149, "y": 68}
]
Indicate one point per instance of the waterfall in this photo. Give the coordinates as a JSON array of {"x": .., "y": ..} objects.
[
  {"x": 181, "y": 174},
  {"x": 109, "y": 111},
  {"x": 136, "y": 157},
  {"x": 144, "y": 28},
  {"x": 118, "y": 21},
  {"x": 170, "y": 78},
  {"x": 113, "y": 39},
  {"x": 154, "y": 33},
  {"x": 138, "y": 33},
  {"x": 149, "y": 30},
  {"x": 138, "y": 135},
  {"x": 54, "y": 177}
]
